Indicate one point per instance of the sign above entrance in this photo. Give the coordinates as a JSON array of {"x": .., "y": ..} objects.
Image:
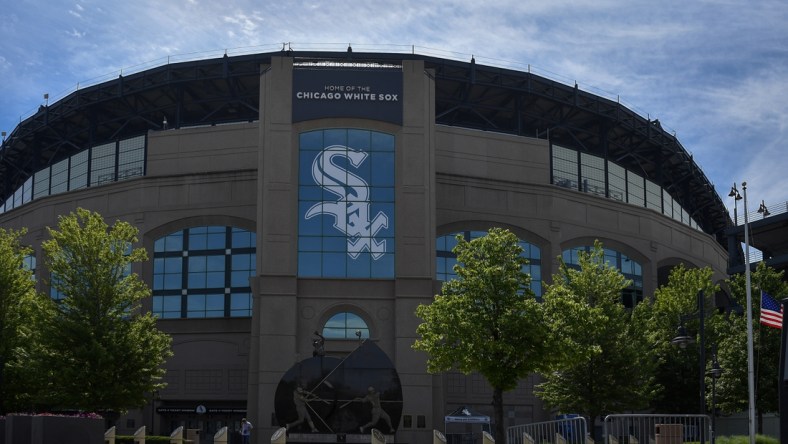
[{"x": 365, "y": 94}]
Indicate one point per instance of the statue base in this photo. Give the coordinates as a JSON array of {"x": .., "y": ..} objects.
[{"x": 321, "y": 438}]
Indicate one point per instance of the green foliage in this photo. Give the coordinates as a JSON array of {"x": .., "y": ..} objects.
[
  {"x": 106, "y": 352},
  {"x": 732, "y": 386},
  {"x": 605, "y": 366},
  {"x": 673, "y": 304},
  {"x": 759, "y": 439},
  {"x": 21, "y": 314},
  {"x": 486, "y": 320}
]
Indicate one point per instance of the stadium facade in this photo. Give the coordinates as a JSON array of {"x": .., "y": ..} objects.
[{"x": 288, "y": 193}]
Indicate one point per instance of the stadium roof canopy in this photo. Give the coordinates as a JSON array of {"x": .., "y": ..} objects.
[{"x": 467, "y": 94}]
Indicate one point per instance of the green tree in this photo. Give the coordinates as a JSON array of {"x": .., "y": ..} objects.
[
  {"x": 107, "y": 352},
  {"x": 675, "y": 304},
  {"x": 22, "y": 312},
  {"x": 732, "y": 389},
  {"x": 608, "y": 369},
  {"x": 486, "y": 320}
]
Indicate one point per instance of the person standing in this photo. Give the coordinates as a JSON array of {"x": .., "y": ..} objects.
[{"x": 246, "y": 430}]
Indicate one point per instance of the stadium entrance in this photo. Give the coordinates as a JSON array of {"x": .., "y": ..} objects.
[{"x": 201, "y": 423}]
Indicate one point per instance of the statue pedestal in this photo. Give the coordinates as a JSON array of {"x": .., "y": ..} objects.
[{"x": 356, "y": 438}]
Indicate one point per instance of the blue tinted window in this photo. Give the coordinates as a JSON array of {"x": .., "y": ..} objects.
[
  {"x": 346, "y": 325},
  {"x": 445, "y": 268},
  {"x": 240, "y": 304},
  {"x": 628, "y": 267},
  {"x": 334, "y": 265},
  {"x": 243, "y": 239},
  {"x": 311, "y": 141},
  {"x": 334, "y": 137},
  {"x": 310, "y": 193},
  {"x": 29, "y": 262},
  {"x": 359, "y": 139},
  {"x": 167, "y": 306},
  {"x": 310, "y": 264},
  {"x": 215, "y": 262},
  {"x": 381, "y": 142}
]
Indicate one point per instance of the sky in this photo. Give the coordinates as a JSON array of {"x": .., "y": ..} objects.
[{"x": 713, "y": 72}]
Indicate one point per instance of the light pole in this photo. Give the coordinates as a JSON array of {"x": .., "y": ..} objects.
[
  {"x": 153, "y": 398},
  {"x": 682, "y": 340},
  {"x": 750, "y": 359},
  {"x": 715, "y": 372}
]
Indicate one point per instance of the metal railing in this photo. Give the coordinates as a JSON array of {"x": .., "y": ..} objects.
[
  {"x": 648, "y": 428},
  {"x": 752, "y": 216},
  {"x": 568, "y": 430}
]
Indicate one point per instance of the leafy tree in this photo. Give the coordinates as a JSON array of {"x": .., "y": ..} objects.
[
  {"x": 608, "y": 369},
  {"x": 106, "y": 352},
  {"x": 487, "y": 320},
  {"x": 675, "y": 304},
  {"x": 21, "y": 314},
  {"x": 732, "y": 389}
]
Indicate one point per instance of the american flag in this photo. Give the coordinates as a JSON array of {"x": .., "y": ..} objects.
[{"x": 771, "y": 311}]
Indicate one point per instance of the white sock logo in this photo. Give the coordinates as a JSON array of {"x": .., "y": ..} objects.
[{"x": 351, "y": 209}]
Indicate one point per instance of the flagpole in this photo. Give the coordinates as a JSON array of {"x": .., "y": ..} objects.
[
  {"x": 750, "y": 353},
  {"x": 783, "y": 392}
]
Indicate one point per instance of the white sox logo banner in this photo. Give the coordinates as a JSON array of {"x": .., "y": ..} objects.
[
  {"x": 351, "y": 209},
  {"x": 346, "y": 204}
]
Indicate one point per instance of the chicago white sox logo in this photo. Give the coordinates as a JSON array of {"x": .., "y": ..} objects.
[{"x": 351, "y": 210}]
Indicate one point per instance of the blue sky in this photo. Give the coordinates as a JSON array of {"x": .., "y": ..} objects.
[{"x": 713, "y": 72}]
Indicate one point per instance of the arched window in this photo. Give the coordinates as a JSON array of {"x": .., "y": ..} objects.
[
  {"x": 446, "y": 259},
  {"x": 346, "y": 325},
  {"x": 631, "y": 270},
  {"x": 203, "y": 272}
]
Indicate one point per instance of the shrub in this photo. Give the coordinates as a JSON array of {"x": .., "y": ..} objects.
[{"x": 759, "y": 439}]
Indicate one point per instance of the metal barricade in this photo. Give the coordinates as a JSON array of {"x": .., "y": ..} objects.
[
  {"x": 656, "y": 428},
  {"x": 567, "y": 430}
]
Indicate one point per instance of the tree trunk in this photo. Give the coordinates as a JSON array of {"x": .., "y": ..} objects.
[
  {"x": 759, "y": 426},
  {"x": 499, "y": 433}
]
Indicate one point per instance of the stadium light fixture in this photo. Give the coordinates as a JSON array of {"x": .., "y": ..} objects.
[
  {"x": 682, "y": 339},
  {"x": 763, "y": 210},
  {"x": 736, "y": 198},
  {"x": 735, "y": 192}
]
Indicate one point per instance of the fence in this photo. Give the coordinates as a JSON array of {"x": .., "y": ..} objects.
[
  {"x": 568, "y": 430},
  {"x": 655, "y": 428}
]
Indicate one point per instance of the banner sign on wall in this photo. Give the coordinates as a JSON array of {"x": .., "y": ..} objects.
[{"x": 367, "y": 94}]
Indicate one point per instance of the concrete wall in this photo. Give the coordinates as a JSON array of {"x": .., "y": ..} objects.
[{"x": 510, "y": 186}]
